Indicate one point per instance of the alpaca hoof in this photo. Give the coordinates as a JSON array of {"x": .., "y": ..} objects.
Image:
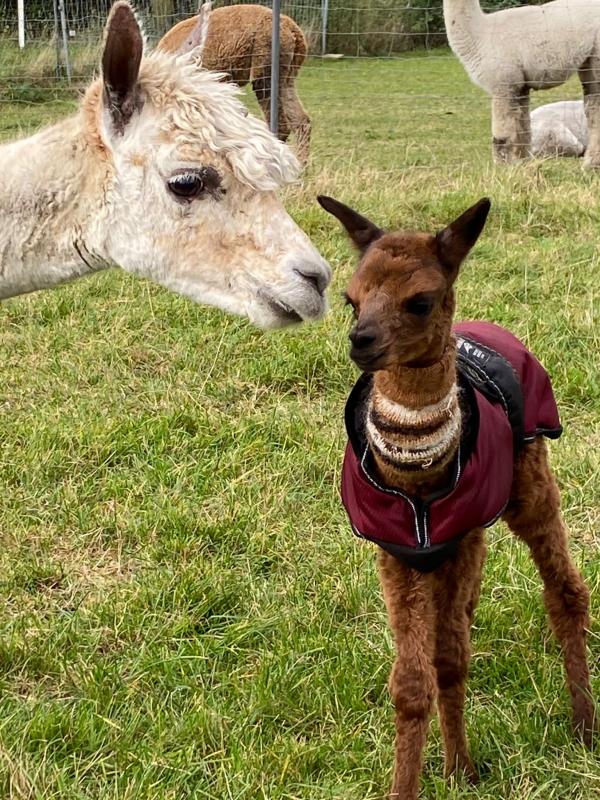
[
  {"x": 500, "y": 151},
  {"x": 591, "y": 161},
  {"x": 465, "y": 767},
  {"x": 504, "y": 151},
  {"x": 585, "y": 731}
]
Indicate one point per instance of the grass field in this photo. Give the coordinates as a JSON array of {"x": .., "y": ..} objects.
[{"x": 185, "y": 613}]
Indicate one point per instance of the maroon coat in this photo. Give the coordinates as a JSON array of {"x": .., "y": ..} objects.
[{"x": 511, "y": 403}]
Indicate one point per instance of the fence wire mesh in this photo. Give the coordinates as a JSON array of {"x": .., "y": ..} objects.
[{"x": 394, "y": 70}]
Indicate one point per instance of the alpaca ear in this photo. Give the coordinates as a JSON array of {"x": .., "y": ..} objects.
[
  {"x": 196, "y": 40},
  {"x": 455, "y": 241},
  {"x": 361, "y": 230},
  {"x": 121, "y": 57}
]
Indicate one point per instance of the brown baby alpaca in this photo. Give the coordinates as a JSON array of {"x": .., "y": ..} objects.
[
  {"x": 239, "y": 44},
  {"x": 402, "y": 294}
]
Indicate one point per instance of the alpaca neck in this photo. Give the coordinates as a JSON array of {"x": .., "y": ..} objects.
[
  {"x": 464, "y": 22},
  {"x": 414, "y": 424},
  {"x": 48, "y": 207}
]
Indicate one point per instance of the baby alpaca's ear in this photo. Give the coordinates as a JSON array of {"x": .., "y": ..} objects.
[
  {"x": 361, "y": 230},
  {"x": 197, "y": 37},
  {"x": 455, "y": 241},
  {"x": 121, "y": 58}
]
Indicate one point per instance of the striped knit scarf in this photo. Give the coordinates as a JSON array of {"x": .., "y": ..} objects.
[{"x": 411, "y": 439}]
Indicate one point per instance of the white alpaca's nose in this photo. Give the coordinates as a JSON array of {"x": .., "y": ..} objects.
[
  {"x": 315, "y": 275},
  {"x": 315, "y": 272},
  {"x": 299, "y": 294}
]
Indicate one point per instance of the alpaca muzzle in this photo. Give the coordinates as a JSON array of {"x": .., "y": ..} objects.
[
  {"x": 367, "y": 349},
  {"x": 300, "y": 296}
]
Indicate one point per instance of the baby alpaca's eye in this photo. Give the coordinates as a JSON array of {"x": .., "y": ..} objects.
[
  {"x": 186, "y": 185},
  {"x": 421, "y": 305}
]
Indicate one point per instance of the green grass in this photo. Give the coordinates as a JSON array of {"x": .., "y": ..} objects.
[{"x": 185, "y": 612}]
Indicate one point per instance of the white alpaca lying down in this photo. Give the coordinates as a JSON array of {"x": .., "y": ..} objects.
[{"x": 559, "y": 129}]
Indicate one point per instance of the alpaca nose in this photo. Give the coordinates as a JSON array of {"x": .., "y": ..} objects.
[
  {"x": 363, "y": 337},
  {"x": 316, "y": 274}
]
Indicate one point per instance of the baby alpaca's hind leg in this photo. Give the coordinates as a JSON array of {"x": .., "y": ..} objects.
[{"x": 534, "y": 516}]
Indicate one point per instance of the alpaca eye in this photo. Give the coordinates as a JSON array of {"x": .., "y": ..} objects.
[
  {"x": 186, "y": 185},
  {"x": 420, "y": 305}
]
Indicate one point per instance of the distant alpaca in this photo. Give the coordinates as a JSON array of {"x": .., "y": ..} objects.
[
  {"x": 161, "y": 172},
  {"x": 445, "y": 430},
  {"x": 510, "y": 52},
  {"x": 239, "y": 44},
  {"x": 559, "y": 129}
]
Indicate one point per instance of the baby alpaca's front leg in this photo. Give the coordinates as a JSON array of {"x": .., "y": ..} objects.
[
  {"x": 408, "y": 597},
  {"x": 457, "y": 585}
]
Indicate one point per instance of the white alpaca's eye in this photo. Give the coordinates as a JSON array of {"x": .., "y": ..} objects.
[{"x": 186, "y": 185}]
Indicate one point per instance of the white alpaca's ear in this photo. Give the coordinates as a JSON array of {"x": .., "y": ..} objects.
[
  {"x": 199, "y": 33},
  {"x": 121, "y": 58}
]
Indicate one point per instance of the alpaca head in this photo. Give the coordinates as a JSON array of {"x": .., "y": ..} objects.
[
  {"x": 189, "y": 197},
  {"x": 402, "y": 292}
]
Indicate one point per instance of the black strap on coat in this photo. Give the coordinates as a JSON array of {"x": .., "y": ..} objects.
[{"x": 494, "y": 376}]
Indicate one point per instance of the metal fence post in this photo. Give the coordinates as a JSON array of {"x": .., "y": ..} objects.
[
  {"x": 65, "y": 36},
  {"x": 275, "y": 48},
  {"x": 21, "y": 22},
  {"x": 324, "y": 21},
  {"x": 57, "y": 39}
]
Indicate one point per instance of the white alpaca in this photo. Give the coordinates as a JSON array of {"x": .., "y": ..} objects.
[
  {"x": 163, "y": 173},
  {"x": 559, "y": 129},
  {"x": 510, "y": 52}
]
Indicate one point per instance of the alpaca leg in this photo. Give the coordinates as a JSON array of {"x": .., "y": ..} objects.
[
  {"x": 534, "y": 516},
  {"x": 589, "y": 75},
  {"x": 524, "y": 136},
  {"x": 409, "y": 601},
  {"x": 456, "y": 592},
  {"x": 284, "y": 126},
  {"x": 506, "y": 127},
  {"x": 261, "y": 86},
  {"x": 299, "y": 120},
  {"x": 262, "y": 90}
]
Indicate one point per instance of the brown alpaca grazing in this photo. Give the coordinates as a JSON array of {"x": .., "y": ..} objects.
[
  {"x": 446, "y": 431},
  {"x": 239, "y": 44}
]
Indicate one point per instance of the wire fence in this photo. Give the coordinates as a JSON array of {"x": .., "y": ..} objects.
[
  {"x": 86, "y": 18},
  {"x": 55, "y": 32},
  {"x": 355, "y": 27},
  {"x": 394, "y": 65},
  {"x": 61, "y": 38}
]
